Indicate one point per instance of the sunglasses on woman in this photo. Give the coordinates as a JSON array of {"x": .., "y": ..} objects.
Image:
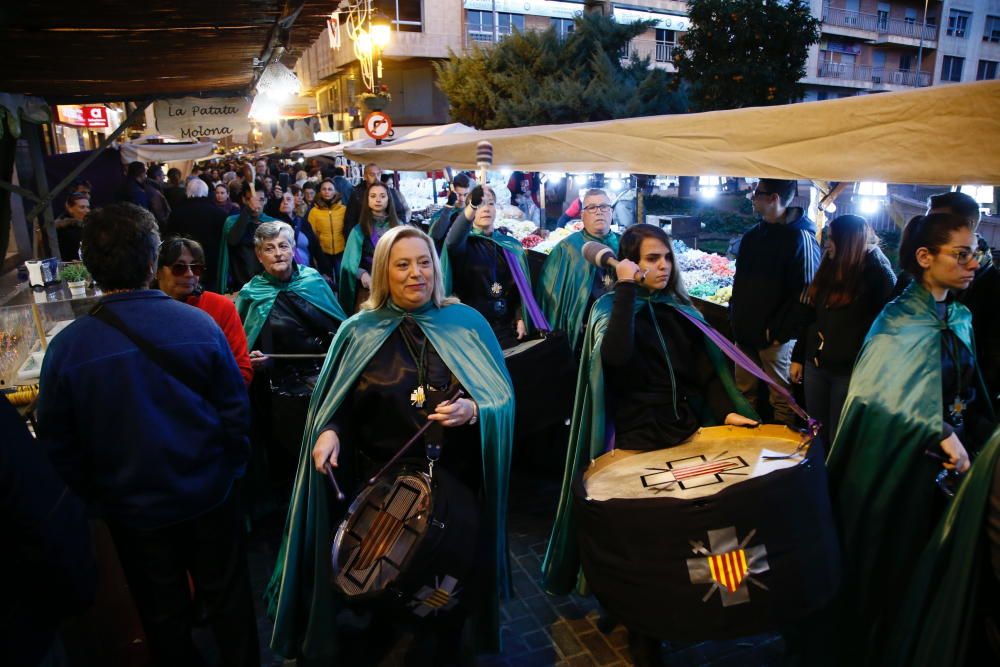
[{"x": 179, "y": 269}]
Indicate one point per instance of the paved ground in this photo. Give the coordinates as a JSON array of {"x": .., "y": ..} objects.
[{"x": 540, "y": 629}]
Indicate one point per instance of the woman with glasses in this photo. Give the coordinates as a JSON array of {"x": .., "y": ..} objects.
[
  {"x": 378, "y": 215},
  {"x": 854, "y": 280},
  {"x": 179, "y": 267},
  {"x": 916, "y": 410},
  {"x": 290, "y": 315},
  {"x": 488, "y": 268}
]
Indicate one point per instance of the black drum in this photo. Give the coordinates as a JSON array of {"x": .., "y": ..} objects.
[
  {"x": 725, "y": 535},
  {"x": 408, "y": 542},
  {"x": 544, "y": 377}
]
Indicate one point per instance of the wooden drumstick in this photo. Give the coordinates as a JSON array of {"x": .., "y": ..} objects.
[{"x": 333, "y": 482}]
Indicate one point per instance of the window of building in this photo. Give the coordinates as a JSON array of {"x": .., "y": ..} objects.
[
  {"x": 666, "y": 42},
  {"x": 480, "y": 24},
  {"x": 883, "y": 16},
  {"x": 958, "y": 23},
  {"x": 905, "y": 62},
  {"x": 911, "y": 16},
  {"x": 951, "y": 68},
  {"x": 409, "y": 18},
  {"x": 987, "y": 70},
  {"x": 564, "y": 27},
  {"x": 992, "y": 32}
]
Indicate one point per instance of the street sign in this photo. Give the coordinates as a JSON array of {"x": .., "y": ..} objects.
[{"x": 378, "y": 125}]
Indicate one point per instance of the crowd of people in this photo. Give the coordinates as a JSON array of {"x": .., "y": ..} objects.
[{"x": 264, "y": 330}]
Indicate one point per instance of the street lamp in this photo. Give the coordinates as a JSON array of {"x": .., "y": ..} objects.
[{"x": 379, "y": 32}]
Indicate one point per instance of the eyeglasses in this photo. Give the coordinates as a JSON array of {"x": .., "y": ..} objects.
[
  {"x": 963, "y": 256},
  {"x": 593, "y": 208},
  {"x": 759, "y": 193},
  {"x": 178, "y": 269}
]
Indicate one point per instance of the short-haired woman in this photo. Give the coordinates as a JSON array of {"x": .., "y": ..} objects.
[
  {"x": 915, "y": 410},
  {"x": 287, "y": 309},
  {"x": 179, "y": 266},
  {"x": 387, "y": 372}
]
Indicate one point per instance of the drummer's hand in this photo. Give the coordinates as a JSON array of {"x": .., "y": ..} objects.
[
  {"x": 257, "y": 359},
  {"x": 366, "y": 280},
  {"x": 628, "y": 270},
  {"x": 454, "y": 413},
  {"x": 795, "y": 373},
  {"x": 327, "y": 449},
  {"x": 522, "y": 330},
  {"x": 958, "y": 458},
  {"x": 736, "y": 419}
]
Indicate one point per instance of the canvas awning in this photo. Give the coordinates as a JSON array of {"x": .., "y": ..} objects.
[
  {"x": 944, "y": 134},
  {"x": 400, "y": 135},
  {"x": 171, "y": 151}
]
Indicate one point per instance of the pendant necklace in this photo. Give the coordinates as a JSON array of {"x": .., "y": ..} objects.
[
  {"x": 419, "y": 395},
  {"x": 496, "y": 289}
]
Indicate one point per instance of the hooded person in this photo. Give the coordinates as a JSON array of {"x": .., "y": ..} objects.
[
  {"x": 569, "y": 284},
  {"x": 909, "y": 422},
  {"x": 406, "y": 336}
]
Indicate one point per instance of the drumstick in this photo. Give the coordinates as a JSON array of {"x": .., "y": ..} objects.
[
  {"x": 333, "y": 482},
  {"x": 296, "y": 356},
  {"x": 409, "y": 443}
]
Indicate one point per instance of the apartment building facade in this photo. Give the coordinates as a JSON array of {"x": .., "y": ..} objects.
[{"x": 866, "y": 46}]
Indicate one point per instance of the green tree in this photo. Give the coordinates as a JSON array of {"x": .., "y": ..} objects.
[
  {"x": 536, "y": 78},
  {"x": 740, "y": 53}
]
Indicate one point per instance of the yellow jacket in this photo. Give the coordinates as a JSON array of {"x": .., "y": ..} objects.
[{"x": 328, "y": 223}]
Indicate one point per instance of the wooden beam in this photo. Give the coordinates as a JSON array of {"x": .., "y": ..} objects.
[
  {"x": 47, "y": 197},
  {"x": 18, "y": 190}
]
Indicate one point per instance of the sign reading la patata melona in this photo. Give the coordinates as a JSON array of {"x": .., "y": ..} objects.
[
  {"x": 378, "y": 125},
  {"x": 196, "y": 117}
]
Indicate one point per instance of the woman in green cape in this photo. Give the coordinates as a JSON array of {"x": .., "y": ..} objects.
[
  {"x": 286, "y": 309},
  {"x": 914, "y": 413},
  {"x": 408, "y": 340},
  {"x": 378, "y": 216},
  {"x": 648, "y": 379},
  {"x": 490, "y": 269}
]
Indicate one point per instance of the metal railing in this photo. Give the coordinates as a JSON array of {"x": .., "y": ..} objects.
[
  {"x": 485, "y": 34},
  {"x": 665, "y": 52},
  {"x": 877, "y": 75},
  {"x": 879, "y": 24}
]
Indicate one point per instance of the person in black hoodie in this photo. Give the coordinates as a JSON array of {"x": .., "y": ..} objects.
[
  {"x": 774, "y": 267},
  {"x": 853, "y": 282}
]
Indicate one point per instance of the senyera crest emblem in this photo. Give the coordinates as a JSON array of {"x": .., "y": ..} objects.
[{"x": 728, "y": 565}]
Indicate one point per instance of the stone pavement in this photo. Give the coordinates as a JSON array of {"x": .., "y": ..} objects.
[{"x": 540, "y": 629}]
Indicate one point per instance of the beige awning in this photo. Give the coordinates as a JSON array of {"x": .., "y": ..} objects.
[{"x": 943, "y": 134}]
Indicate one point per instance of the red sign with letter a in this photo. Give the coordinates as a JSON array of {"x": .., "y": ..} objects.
[{"x": 95, "y": 116}]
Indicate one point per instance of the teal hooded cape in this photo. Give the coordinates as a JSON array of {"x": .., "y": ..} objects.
[
  {"x": 224, "y": 248},
  {"x": 564, "y": 285},
  {"x": 588, "y": 431},
  {"x": 881, "y": 481},
  {"x": 257, "y": 297},
  {"x": 347, "y": 281},
  {"x": 941, "y": 611},
  {"x": 507, "y": 243},
  {"x": 301, "y": 599}
]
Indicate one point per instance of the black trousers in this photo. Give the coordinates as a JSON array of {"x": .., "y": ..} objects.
[{"x": 212, "y": 549}]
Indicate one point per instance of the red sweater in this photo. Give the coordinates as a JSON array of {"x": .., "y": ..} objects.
[{"x": 224, "y": 313}]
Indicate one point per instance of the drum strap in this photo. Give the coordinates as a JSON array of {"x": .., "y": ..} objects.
[
  {"x": 666, "y": 355},
  {"x": 747, "y": 364}
]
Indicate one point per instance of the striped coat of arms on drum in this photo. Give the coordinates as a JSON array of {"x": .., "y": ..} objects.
[{"x": 728, "y": 565}]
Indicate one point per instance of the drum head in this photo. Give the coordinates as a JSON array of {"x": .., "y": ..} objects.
[
  {"x": 383, "y": 527},
  {"x": 713, "y": 459}
]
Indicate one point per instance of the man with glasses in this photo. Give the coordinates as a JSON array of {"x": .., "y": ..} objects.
[
  {"x": 775, "y": 264},
  {"x": 569, "y": 284}
]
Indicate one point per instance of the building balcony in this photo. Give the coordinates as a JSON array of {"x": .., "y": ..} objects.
[
  {"x": 886, "y": 30},
  {"x": 660, "y": 54},
  {"x": 873, "y": 78},
  {"x": 484, "y": 35}
]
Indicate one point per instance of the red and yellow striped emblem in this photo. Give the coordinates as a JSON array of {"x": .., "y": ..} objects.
[{"x": 729, "y": 569}]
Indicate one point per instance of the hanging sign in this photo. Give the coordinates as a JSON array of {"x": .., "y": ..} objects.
[
  {"x": 196, "y": 117},
  {"x": 333, "y": 26},
  {"x": 72, "y": 114},
  {"x": 378, "y": 125}
]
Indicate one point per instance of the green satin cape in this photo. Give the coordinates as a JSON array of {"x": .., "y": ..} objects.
[
  {"x": 347, "y": 281},
  {"x": 224, "y": 248},
  {"x": 301, "y": 599},
  {"x": 504, "y": 241},
  {"x": 882, "y": 483},
  {"x": 564, "y": 285},
  {"x": 257, "y": 297},
  {"x": 588, "y": 432},
  {"x": 940, "y": 612}
]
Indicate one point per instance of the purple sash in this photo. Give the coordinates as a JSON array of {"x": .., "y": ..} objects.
[{"x": 527, "y": 298}]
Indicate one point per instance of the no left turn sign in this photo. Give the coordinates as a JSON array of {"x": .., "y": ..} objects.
[{"x": 378, "y": 125}]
